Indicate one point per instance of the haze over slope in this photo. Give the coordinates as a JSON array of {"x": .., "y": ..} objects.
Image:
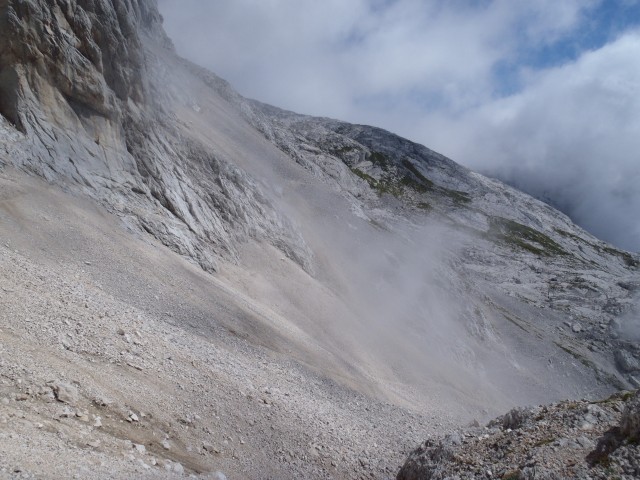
[
  {"x": 542, "y": 95},
  {"x": 358, "y": 271}
]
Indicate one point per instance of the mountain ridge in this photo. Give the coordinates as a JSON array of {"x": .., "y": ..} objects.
[{"x": 377, "y": 273}]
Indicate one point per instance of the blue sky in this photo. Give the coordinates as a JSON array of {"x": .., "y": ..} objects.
[
  {"x": 602, "y": 22},
  {"x": 543, "y": 94}
]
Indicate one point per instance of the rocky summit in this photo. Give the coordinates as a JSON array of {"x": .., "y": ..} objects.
[{"x": 193, "y": 283}]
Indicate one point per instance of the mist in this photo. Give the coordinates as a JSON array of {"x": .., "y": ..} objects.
[
  {"x": 385, "y": 309},
  {"x": 542, "y": 95}
]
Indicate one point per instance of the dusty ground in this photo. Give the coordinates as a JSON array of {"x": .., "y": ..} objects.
[{"x": 157, "y": 353}]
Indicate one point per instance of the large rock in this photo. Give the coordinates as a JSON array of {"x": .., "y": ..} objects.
[
  {"x": 66, "y": 393},
  {"x": 428, "y": 461},
  {"x": 630, "y": 421},
  {"x": 626, "y": 362}
]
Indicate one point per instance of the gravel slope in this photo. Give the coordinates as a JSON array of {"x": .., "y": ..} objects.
[{"x": 134, "y": 331}]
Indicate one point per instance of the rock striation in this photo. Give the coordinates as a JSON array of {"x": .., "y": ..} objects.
[{"x": 76, "y": 78}]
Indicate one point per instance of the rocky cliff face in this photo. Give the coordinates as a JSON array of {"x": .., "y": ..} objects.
[
  {"x": 84, "y": 55},
  {"x": 77, "y": 80}
]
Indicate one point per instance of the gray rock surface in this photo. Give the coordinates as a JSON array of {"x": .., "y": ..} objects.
[
  {"x": 630, "y": 422},
  {"x": 77, "y": 80},
  {"x": 549, "y": 444},
  {"x": 627, "y": 362},
  {"x": 65, "y": 393}
]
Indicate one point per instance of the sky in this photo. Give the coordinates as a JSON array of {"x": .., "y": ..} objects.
[{"x": 543, "y": 94}]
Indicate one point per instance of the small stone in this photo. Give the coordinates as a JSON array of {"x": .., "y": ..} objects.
[
  {"x": 67, "y": 412},
  {"x": 132, "y": 417},
  {"x": 103, "y": 401},
  {"x": 166, "y": 445},
  {"x": 208, "y": 447},
  {"x": 65, "y": 393},
  {"x": 97, "y": 422},
  {"x": 576, "y": 327},
  {"x": 178, "y": 468},
  {"x": 94, "y": 443},
  {"x": 141, "y": 449}
]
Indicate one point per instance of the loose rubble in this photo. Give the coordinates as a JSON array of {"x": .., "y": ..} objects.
[{"x": 575, "y": 439}]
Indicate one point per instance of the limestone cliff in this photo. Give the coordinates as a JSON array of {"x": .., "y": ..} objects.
[{"x": 77, "y": 79}]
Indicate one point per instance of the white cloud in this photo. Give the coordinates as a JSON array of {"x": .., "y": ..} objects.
[
  {"x": 570, "y": 136},
  {"x": 326, "y": 57}
]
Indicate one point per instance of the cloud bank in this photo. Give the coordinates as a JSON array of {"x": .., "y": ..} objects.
[
  {"x": 572, "y": 136},
  {"x": 541, "y": 94}
]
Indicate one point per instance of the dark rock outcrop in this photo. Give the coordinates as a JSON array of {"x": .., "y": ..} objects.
[{"x": 566, "y": 440}]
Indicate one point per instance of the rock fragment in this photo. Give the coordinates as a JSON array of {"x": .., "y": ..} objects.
[{"x": 65, "y": 393}]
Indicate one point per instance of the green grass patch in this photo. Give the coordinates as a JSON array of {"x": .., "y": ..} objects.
[
  {"x": 373, "y": 183},
  {"x": 380, "y": 160},
  {"x": 457, "y": 196},
  {"x": 422, "y": 184},
  {"x": 390, "y": 187},
  {"x": 626, "y": 257},
  {"x": 382, "y": 186},
  {"x": 343, "y": 150},
  {"x": 526, "y": 238},
  {"x": 566, "y": 234},
  {"x": 409, "y": 182},
  {"x": 412, "y": 168}
]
